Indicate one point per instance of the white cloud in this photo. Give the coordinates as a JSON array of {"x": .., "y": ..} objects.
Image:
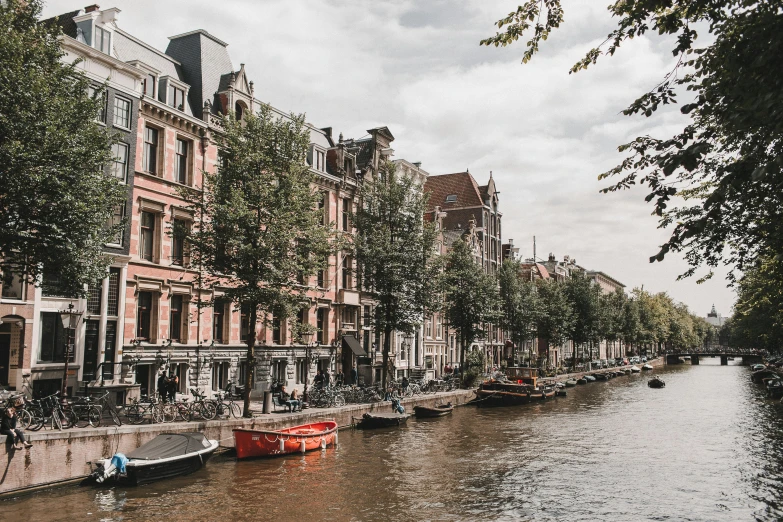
[{"x": 417, "y": 67}]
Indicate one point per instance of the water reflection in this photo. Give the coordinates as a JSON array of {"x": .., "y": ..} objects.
[{"x": 706, "y": 447}]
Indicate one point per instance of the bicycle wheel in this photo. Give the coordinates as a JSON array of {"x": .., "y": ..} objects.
[
  {"x": 134, "y": 414},
  {"x": 157, "y": 413},
  {"x": 25, "y": 419},
  {"x": 236, "y": 411},
  {"x": 207, "y": 410},
  {"x": 94, "y": 415},
  {"x": 114, "y": 417},
  {"x": 81, "y": 414},
  {"x": 37, "y": 421},
  {"x": 169, "y": 412},
  {"x": 56, "y": 420},
  {"x": 339, "y": 401}
]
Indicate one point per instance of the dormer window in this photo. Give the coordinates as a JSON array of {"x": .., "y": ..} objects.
[
  {"x": 176, "y": 98},
  {"x": 102, "y": 40},
  {"x": 239, "y": 110},
  {"x": 451, "y": 198},
  {"x": 149, "y": 85},
  {"x": 320, "y": 160}
]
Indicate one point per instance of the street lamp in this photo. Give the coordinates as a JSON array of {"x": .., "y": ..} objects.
[
  {"x": 307, "y": 338},
  {"x": 408, "y": 340},
  {"x": 70, "y": 319}
]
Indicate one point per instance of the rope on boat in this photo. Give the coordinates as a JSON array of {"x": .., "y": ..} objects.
[{"x": 484, "y": 399}]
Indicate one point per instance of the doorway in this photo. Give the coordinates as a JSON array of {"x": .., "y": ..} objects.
[{"x": 5, "y": 353}]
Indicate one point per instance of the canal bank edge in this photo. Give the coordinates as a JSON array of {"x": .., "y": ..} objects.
[{"x": 59, "y": 458}]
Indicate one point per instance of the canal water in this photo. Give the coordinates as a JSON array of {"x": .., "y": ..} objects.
[{"x": 707, "y": 447}]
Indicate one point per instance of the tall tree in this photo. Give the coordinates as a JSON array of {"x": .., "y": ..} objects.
[
  {"x": 470, "y": 296},
  {"x": 758, "y": 313},
  {"x": 612, "y": 316},
  {"x": 394, "y": 252},
  {"x": 55, "y": 195},
  {"x": 556, "y": 320},
  {"x": 520, "y": 304},
  {"x": 260, "y": 232},
  {"x": 726, "y": 164},
  {"x": 584, "y": 296}
]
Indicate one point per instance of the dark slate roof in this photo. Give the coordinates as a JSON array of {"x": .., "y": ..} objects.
[
  {"x": 460, "y": 184},
  {"x": 129, "y": 48},
  {"x": 205, "y": 62},
  {"x": 362, "y": 149},
  {"x": 65, "y": 21}
]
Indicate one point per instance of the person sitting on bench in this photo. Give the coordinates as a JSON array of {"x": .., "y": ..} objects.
[{"x": 289, "y": 399}]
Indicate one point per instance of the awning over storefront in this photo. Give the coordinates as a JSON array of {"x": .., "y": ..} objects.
[{"x": 351, "y": 342}]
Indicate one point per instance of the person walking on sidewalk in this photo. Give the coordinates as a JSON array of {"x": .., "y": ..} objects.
[{"x": 8, "y": 428}]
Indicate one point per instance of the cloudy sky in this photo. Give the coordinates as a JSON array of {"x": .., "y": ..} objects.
[{"x": 416, "y": 67}]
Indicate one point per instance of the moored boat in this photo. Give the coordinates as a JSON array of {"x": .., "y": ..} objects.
[
  {"x": 757, "y": 367},
  {"x": 519, "y": 386},
  {"x": 167, "y": 455},
  {"x": 570, "y": 383},
  {"x": 297, "y": 439},
  {"x": 635, "y": 369},
  {"x": 647, "y": 367},
  {"x": 439, "y": 410},
  {"x": 656, "y": 382},
  {"x": 600, "y": 376},
  {"x": 581, "y": 381},
  {"x": 382, "y": 420},
  {"x": 774, "y": 388},
  {"x": 589, "y": 378}
]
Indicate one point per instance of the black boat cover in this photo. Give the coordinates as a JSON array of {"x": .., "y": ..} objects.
[{"x": 170, "y": 445}]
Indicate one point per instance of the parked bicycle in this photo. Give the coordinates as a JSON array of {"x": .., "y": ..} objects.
[{"x": 226, "y": 407}]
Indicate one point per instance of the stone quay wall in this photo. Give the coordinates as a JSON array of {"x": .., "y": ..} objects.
[{"x": 59, "y": 457}]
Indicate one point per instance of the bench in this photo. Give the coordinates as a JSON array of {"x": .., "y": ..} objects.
[{"x": 278, "y": 402}]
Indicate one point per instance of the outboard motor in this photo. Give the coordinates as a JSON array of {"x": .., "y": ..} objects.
[{"x": 107, "y": 468}]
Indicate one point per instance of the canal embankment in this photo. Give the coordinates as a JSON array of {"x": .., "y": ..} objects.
[
  {"x": 655, "y": 363},
  {"x": 60, "y": 457}
]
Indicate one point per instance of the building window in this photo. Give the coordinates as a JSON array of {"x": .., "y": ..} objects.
[
  {"x": 320, "y": 323},
  {"x": 100, "y": 96},
  {"x": 13, "y": 286},
  {"x": 119, "y": 167},
  {"x": 451, "y": 198},
  {"x": 175, "y": 318},
  {"x": 346, "y": 273},
  {"x": 278, "y": 371},
  {"x": 244, "y": 323},
  {"x": 114, "y": 292},
  {"x": 94, "y": 292},
  {"x": 102, "y": 40},
  {"x": 321, "y": 279},
  {"x": 349, "y": 315},
  {"x": 367, "y": 316},
  {"x": 116, "y": 221},
  {"x": 219, "y": 375},
  {"x": 151, "y": 150},
  {"x": 218, "y": 321},
  {"x": 320, "y": 160},
  {"x": 346, "y": 213},
  {"x": 149, "y": 85},
  {"x": 147, "y": 235},
  {"x": 179, "y": 232},
  {"x": 181, "y": 167},
  {"x": 428, "y": 328},
  {"x": 301, "y": 371},
  {"x": 110, "y": 343},
  {"x": 439, "y": 327},
  {"x": 323, "y": 208},
  {"x": 144, "y": 316},
  {"x": 176, "y": 98},
  {"x": 277, "y": 327},
  {"x": 53, "y": 339},
  {"x": 122, "y": 112}
]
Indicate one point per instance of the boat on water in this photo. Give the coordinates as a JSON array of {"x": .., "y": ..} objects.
[
  {"x": 561, "y": 392},
  {"x": 520, "y": 385},
  {"x": 570, "y": 383},
  {"x": 759, "y": 376},
  {"x": 439, "y": 410},
  {"x": 757, "y": 367},
  {"x": 635, "y": 369},
  {"x": 581, "y": 381},
  {"x": 297, "y": 439},
  {"x": 774, "y": 388},
  {"x": 167, "y": 455},
  {"x": 656, "y": 382},
  {"x": 589, "y": 378},
  {"x": 647, "y": 367},
  {"x": 371, "y": 421}
]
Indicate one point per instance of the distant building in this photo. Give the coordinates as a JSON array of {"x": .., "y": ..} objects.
[{"x": 714, "y": 318}]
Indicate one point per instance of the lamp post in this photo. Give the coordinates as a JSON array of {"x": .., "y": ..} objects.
[
  {"x": 307, "y": 338},
  {"x": 408, "y": 340},
  {"x": 70, "y": 319}
]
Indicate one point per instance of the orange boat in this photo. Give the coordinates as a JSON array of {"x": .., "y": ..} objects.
[{"x": 258, "y": 443}]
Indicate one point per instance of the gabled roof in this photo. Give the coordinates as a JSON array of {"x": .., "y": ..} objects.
[
  {"x": 129, "y": 48},
  {"x": 460, "y": 184}
]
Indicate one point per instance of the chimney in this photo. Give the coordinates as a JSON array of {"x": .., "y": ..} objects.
[
  {"x": 418, "y": 164},
  {"x": 91, "y": 8}
]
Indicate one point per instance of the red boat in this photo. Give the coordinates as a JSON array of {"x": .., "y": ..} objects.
[{"x": 298, "y": 439}]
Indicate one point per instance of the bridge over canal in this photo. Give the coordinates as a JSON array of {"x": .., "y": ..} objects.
[{"x": 746, "y": 358}]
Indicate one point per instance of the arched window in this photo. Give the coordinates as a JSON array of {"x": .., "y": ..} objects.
[{"x": 239, "y": 110}]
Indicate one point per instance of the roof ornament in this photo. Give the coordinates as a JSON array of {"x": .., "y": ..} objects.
[{"x": 341, "y": 138}]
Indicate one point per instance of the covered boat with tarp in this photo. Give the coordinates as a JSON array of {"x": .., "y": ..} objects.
[
  {"x": 167, "y": 455},
  {"x": 439, "y": 410}
]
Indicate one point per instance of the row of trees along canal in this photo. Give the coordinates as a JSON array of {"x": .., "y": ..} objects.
[
  {"x": 259, "y": 233},
  {"x": 716, "y": 183}
]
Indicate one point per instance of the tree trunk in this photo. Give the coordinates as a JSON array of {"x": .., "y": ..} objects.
[
  {"x": 251, "y": 361},
  {"x": 386, "y": 349},
  {"x": 462, "y": 349}
]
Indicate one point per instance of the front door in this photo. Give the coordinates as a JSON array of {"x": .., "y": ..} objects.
[
  {"x": 5, "y": 357},
  {"x": 90, "y": 350}
]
